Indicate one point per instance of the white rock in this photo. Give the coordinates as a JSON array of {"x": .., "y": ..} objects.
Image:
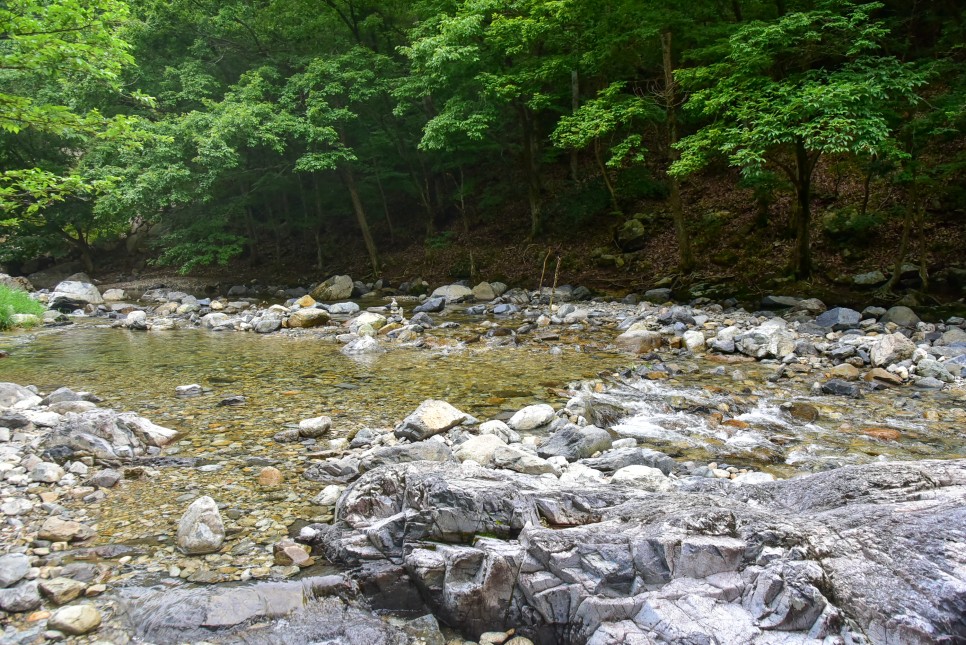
[
  {"x": 75, "y": 619},
  {"x": 479, "y": 449},
  {"x": 530, "y": 417},
  {"x": 452, "y": 292},
  {"x": 694, "y": 341},
  {"x": 46, "y": 473},
  {"x": 500, "y": 429},
  {"x": 329, "y": 495},
  {"x": 314, "y": 427},
  {"x": 643, "y": 477},
  {"x": 201, "y": 529}
]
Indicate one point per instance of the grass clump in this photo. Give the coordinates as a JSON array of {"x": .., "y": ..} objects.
[{"x": 16, "y": 301}]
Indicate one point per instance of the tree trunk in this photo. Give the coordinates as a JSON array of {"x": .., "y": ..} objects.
[
  {"x": 534, "y": 189},
  {"x": 736, "y": 9},
  {"x": 574, "y": 106},
  {"x": 685, "y": 255},
  {"x": 385, "y": 206},
  {"x": 360, "y": 211},
  {"x": 317, "y": 229},
  {"x": 802, "y": 252},
  {"x": 603, "y": 173}
]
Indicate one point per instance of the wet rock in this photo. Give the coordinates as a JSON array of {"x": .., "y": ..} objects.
[
  {"x": 314, "y": 427},
  {"x": 56, "y": 529},
  {"x": 270, "y": 476},
  {"x": 13, "y": 567},
  {"x": 23, "y": 597},
  {"x": 425, "y": 630},
  {"x": 288, "y": 553},
  {"x": 430, "y": 418},
  {"x": 838, "y": 387},
  {"x": 640, "y": 341},
  {"x": 193, "y": 389},
  {"x": 531, "y": 417},
  {"x": 802, "y": 411},
  {"x": 845, "y": 371},
  {"x": 839, "y": 318},
  {"x": 306, "y": 318},
  {"x": 201, "y": 529},
  {"x": 343, "y": 308},
  {"x": 337, "y": 287},
  {"x": 215, "y": 320},
  {"x": 902, "y": 316},
  {"x": 61, "y": 590},
  {"x": 367, "y": 318},
  {"x": 362, "y": 346},
  {"x": 75, "y": 619},
  {"x": 406, "y": 453},
  {"x": 573, "y": 443},
  {"x": 928, "y": 368},
  {"x": 891, "y": 348}
]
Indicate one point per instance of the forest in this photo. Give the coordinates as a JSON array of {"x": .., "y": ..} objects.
[{"x": 328, "y": 134}]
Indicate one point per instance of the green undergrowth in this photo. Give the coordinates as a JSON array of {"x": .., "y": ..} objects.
[{"x": 15, "y": 301}]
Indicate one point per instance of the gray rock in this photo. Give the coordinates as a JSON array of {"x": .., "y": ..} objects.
[
  {"x": 61, "y": 590},
  {"x": 343, "y": 308},
  {"x": 839, "y": 318},
  {"x": 267, "y": 323},
  {"x": 659, "y": 295},
  {"x": 838, "y": 387},
  {"x": 46, "y": 472},
  {"x": 334, "y": 471},
  {"x": 902, "y": 316},
  {"x": 771, "y": 562},
  {"x": 453, "y": 293},
  {"x": 406, "y": 453},
  {"x": 432, "y": 305},
  {"x": 771, "y": 339},
  {"x": 215, "y": 320},
  {"x": 24, "y": 597},
  {"x": 201, "y": 529},
  {"x": 501, "y": 430},
  {"x": 13, "y": 567},
  {"x": 56, "y": 529},
  {"x": 522, "y": 461},
  {"x": 573, "y": 443},
  {"x": 430, "y": 418},
  {"x": 870, "y": 279},
  {"x": 314, "y": 427},
  {"x": 640, "y": 341},
  {"x": 891, "y": 348},
  {"x": 780, "y": 302},
  {"x": 928, "y": 368},
  {"x": 618, "y": 458},
  {"x": 106, "y": 478},
  {"x": 337, "y": 287},
  {"x": 105, "y": 435},
  {"x": 11, "y": 394},
  {"x": 484, "y": 291}
]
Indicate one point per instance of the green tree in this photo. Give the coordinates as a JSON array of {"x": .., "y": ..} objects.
[
  {"x": 791, "y": 90},
  {"x": 52, "y": 52}
]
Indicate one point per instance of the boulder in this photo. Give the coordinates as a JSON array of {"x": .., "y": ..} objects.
[
  {"x": 573, "y": 442},
  {"x": 13, "y": 567},
  {"x": 70, "y": 295},
  {"x": 215, "y": 320},
  {"x": 61, "y": 590},
  {"x": 12, "y": 394},
  {"x": 18, "y": 282},
  {"x": 839, "y": 318},
  {"x": 484, "y": 292},
  {"x": 56, "y": 529},
  {"x": 432, "y": 305},
  {"x": 531, "y": 417},
  {"x": 430, "y": 418},
  {"x": 75, "y": 619},
  {"x": 522, "y": 461},
  {"x": 337, "y": 287},
  {"x": 105, "y": 435},
  {"x": 362, "y": 346},
  {"x": 314, "y": 427},
  {"x": 640, "y": 341},
  {"x": 452, "y": 293},
  {"x": 891, "y": 348},
  {"x": 267, "y": 323},
  {"x": 405, "y": 453},
  {"x": 305, "y": 318},
  {"x": 770, "y": 339},
  {"x": 479, "y": 449},
  {"x": 631, "y": 236},
  {"x": 659, "y": 295},
  {"x": 23, "y": 597},
  {"x": 201, "y": 529},
  {"x": 870, "y": 279},
  {"x": 902, "y": 316},
  {"x": 642, "y": 477},
  {"x": 694, "y": 341},
  {"x": 343, "y": 308},
  {"x": 849, "y": 555}
]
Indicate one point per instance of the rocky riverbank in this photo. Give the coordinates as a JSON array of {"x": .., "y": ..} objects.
[{"x": 610, "y": 515}]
